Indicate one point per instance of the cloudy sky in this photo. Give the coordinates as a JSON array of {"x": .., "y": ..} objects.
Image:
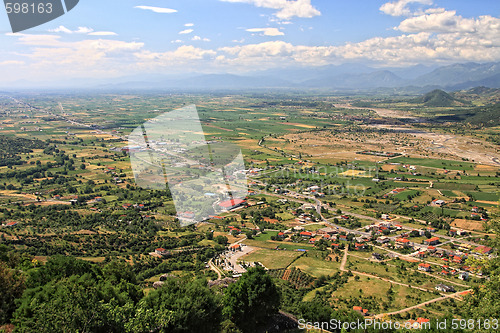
[{"x": 113, "y": 38}]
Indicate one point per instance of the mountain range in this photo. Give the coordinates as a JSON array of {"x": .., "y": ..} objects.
[{"x": 346, "y": 77}]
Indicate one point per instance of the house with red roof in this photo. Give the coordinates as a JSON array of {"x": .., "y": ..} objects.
[
  {"x": 231, "y": 204},
  {"x": 403, "y": 242},
  {"x": 359, "y": 246},
  {"x": 483, "y": 249},
  {"x": 235, "y": 247},
  {"x": 458, "y": 260},
  {"x": 424, "y": 267},
  {"x": 161, "y": 251},
  {"x": 359, "y": 309},
  {"x": 432, "y": 241},
  {"x": 306, "y": 234}
]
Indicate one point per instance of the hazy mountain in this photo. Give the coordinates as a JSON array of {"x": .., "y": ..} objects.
[
  {"x": 419, "y": 79},
  {"x": 482, "y": 94},
  {"x": 206, "y": 82},
  {"x": 462, "y": 76},
  {"x": 357, "y": 81}
]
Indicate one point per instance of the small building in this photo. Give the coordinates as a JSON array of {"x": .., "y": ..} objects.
[
  {"x": 431, "y": 241},
  {"x": 235, "y": 247},
  {"x": 403, "y": 242},
  {"x": 377, "y": 256},
  {"x": 463, "y": 276},
  {"x": 306, "y": 234},
  {"x": 424, "y": 267},
  {"x": 359, "y": 246},
  {"x": 483, "y": 250},
  {"x": 327, "y": 231},
  {"x": 359, "y": 309},
  {"x": 161, "y": 251},
  {"x": 385, "y": 217},
  {"x": 444, "y": 288}
]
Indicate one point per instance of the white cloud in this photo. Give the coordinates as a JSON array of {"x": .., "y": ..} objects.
[
  {"x": 49, "y": 56},
  {"x": 267, "y": 31},
  {"x": 80, "y": 30},
  {"x": 177, "y": 41},
  {"x": 103, "y": 33},
  {"x": 185, "y": 32},
  {"x": 198, "y": 38},
  {"x": 189, "y": 24},
  {"x": 287, "y": 9},
  {"x": 185, "y": 55},
  {"x": 400, "y": 7},
  {"x": 157, "y": 9},
  {"x": 448, "y": 21}
]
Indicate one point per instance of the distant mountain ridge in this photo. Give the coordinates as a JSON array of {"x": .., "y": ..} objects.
[{"x": 347, "y": 77}]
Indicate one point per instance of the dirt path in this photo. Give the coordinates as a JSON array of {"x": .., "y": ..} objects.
[
  {"x": 344, "y": 259},
  {"x": 455, "y": 295}
]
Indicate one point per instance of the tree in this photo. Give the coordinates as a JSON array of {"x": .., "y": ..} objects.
[
  {"x": 484, "y": 301},
  {"x": 178, "y": 306},
  {"x": 221, "y": 239},
  {"x": 251, "y": 300},
  {"x": 11, "y": 287},
  {"x": 74, "y": 304}
]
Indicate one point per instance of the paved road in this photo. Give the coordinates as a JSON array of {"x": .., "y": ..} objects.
[{"x": 215, "y": 268}]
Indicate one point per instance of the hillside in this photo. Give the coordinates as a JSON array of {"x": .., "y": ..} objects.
[
  {"x": 439, "y": 98},
  {"x": 483, "y": 95}
]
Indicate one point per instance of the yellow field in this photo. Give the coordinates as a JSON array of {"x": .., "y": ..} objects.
[{"x": 352, "y": 173}]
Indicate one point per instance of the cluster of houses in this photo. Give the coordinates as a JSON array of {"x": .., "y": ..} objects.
[
  {"x": 384, "y": 227},
  {"x": 314, "y": 190},
  {"x": 306, "y": 217},
  {"x": 114, "y": 174},
  {"x": 394, "y": 191},
  {"x": 136, "y": 206},
  {"x": 360, "y": 309},
  {"x": 328, "y": 234},
  {"x": 476, "y": 214}
]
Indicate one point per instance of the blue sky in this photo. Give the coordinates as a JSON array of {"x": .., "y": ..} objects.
[{"x": 113, "y": 38}]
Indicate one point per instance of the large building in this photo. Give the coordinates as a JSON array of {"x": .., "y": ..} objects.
[{"x": 231, "y": 204}]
